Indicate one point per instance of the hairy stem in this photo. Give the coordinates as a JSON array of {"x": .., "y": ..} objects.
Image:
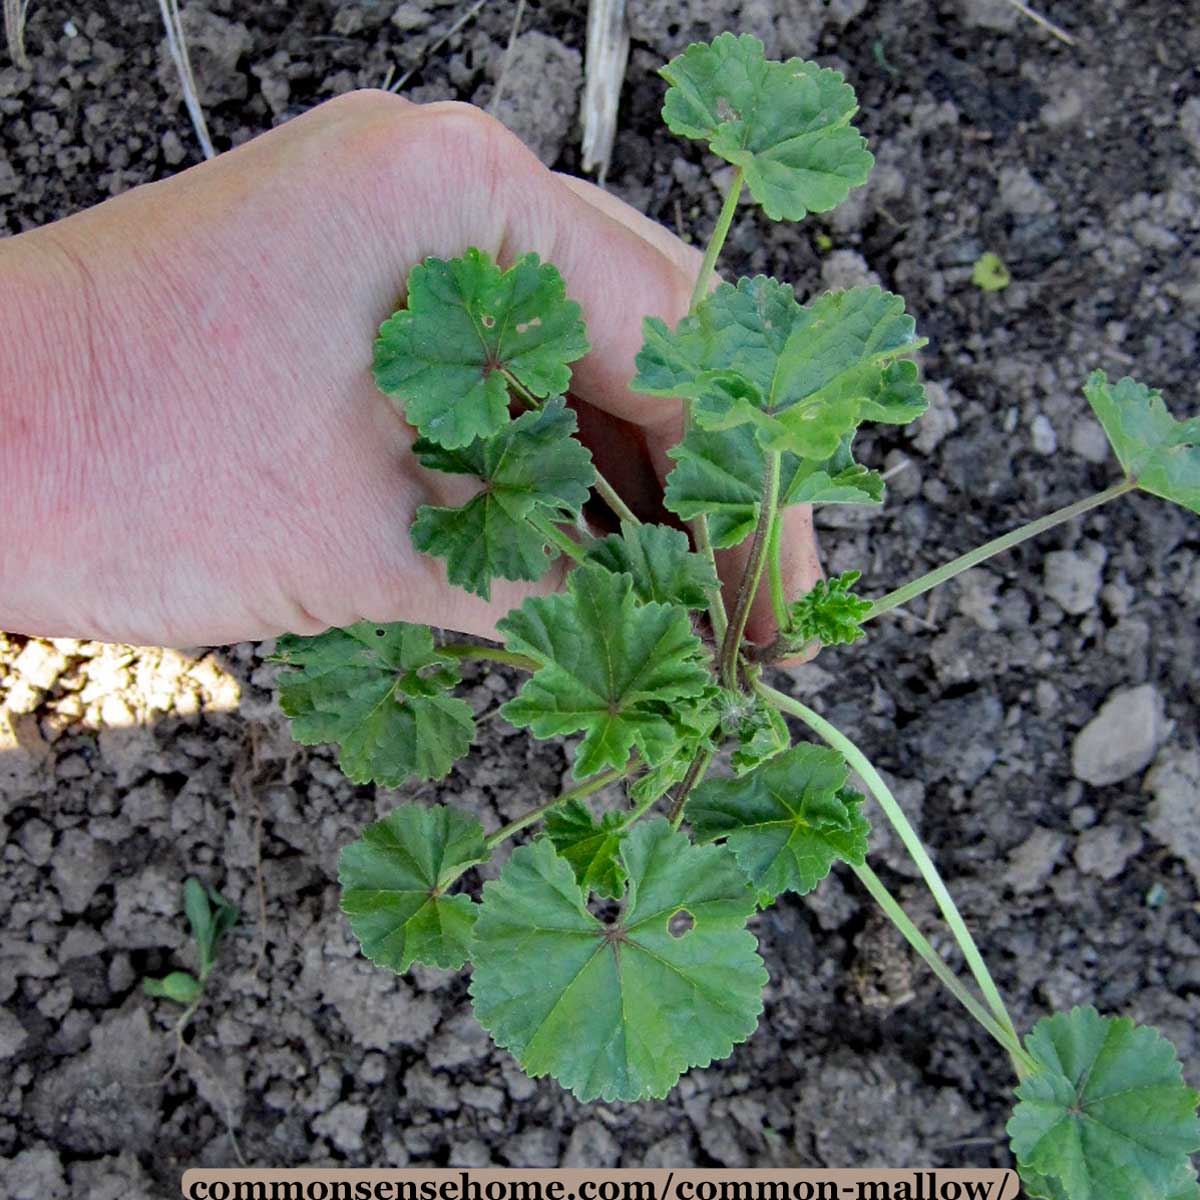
[
  {"x": 760, "y": 545},
  {"x": 557, "y": 537},
  {"x": 775, "y": 567},
  {"x": 717, "y": 241},
  {"x": 912, "y": 843},
  {"x": 1007, "y": 541},
  {"x": 586, "y": 788},
  {"x": 463, "y": 650},
  {"x": 695, "y": 773},
  {"x": 917, "y": 940},
  {"x": 716, "y": 605}
]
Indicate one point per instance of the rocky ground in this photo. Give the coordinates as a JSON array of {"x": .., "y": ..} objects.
[{"x": 1038, "y": 717}]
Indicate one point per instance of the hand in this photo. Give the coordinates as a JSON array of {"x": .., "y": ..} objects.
[{"x": 220, "y": 466}]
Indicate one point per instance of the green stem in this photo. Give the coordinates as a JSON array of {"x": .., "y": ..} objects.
[
  {"x": 759, "y": 547},
  {"x": 463, "y": 650},
  {"x": 917, "y": 940},
  {"x": 695, "y": 773},
  {"x": 716, "y": 605},
  {"x": 912, "y": 843},
  {"x": 719, "y": 234},
  {"x": 637, "y": 813},
  {"x": 556, "y": 536},
  {"x": 1007, "y": 541},
  {"x": 576, "y": 793},
  {"x": 775, "y": 566}
]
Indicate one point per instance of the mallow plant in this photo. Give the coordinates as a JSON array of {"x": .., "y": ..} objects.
[{"x": 612, "y": 952}]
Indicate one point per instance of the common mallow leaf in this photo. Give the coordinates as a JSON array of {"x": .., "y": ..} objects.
[
  {"x": 1160, "y": 454},
  {"x": 661, "y": 562},
  {"x": 720, "y": 475},
  {"x": 618, "y": 1011},
  {"x": 471, "y": 331},
  {"x": 786, "y": 822},
  {"x": 591, "y": 847},
  {"x": 759, "y": 730},
  {"x": 608, "y": 666},
  {"x": 381, "y": 692},
  {"x": 830, "y": 613},
  {"x": 533, "y": 466},
  {"x": 394, "y": 886},
  {"x": 803, "y": 376},
  {"x": 1106, "y": 1116},
  {"x": 785, "y": 124}
]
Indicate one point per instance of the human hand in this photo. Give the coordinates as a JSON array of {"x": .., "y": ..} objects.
[{"x": 225, "y": 468}]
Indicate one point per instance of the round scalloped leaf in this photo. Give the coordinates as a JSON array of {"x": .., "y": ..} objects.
[
  {"x": 619, "y": 1011},
  {"x": 532, "y": 466},
  {"x": 1107, "y": 1115},
  {"x": 787, "y": 822},
  {"x": 1161, "y": 454},
  {"x": 468, "y": 332},
  {"x": 381, "y": 692},
  {"x": 785, "y": 124},
  {"x": 664, "y": 569},
  {"x": 394, "y": 881}
]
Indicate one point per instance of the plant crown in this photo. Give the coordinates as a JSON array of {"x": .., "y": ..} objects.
[{"x": 639, "y": 656}]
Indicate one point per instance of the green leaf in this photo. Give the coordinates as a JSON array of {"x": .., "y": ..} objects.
[
  {"x": 179, "y": 986},
  {"x": 786, "y": 822},
  {"x": 394, "y": 881},
  {"x": 720, "y": 475},
  {"x": 830, "y": 613},
  {"x": 786, "y": 124},
  {"x": 1160, "y": 454},
  {"x": 1107, "y": 1115},
  {"x": 664, "y": 568},
  {"x": 200, "y": 917},
  {"x": 804, "y": 377},
  {"x": 532, "y": 466},
  {"x": 989, "y": 273},
  {"x": 760, "y": 731},
  {"x": 607, "y": 667},
  {"x": 618, "y": 1011},
  {"x": 381, "y": 693},
  {"x": 470, "y": 330},
  {"x": 591, "y": 847}
]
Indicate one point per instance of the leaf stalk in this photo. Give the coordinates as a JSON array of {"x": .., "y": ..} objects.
[
  {"x": 586, "y": 788},
  {"x": 470, "y": 650}
]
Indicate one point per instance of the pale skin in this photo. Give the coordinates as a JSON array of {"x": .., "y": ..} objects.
[{"x": 192, "y": 447}]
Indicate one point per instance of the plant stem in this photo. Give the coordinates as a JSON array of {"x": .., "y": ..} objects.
[
  {"x": 760, "y": 545},
  {"x": 553, "y": 534},
  {"x": 917, "y": 940},
  {"x": 719, "y": 234},
  {"x": 586, "y": 788},
  {"x": 775, "y": 567},
  {"x": 1007, "y": 541},
  {"x": 716, "y": 605},
  {"x": 695, "y": 772},
  {"x": 636, "y": 814},
  {"x": 510, "y": 658},
  {"x": 912, "y": 843}
]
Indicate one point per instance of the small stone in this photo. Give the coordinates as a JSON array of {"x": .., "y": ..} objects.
[
  {"x": 40, "y": 663},
  {"x": 937, "y": 421},
  {"x": 990, "y": 14},
  {"x": 1045, "y": 440},
  {"x": 591, "y": 1145},
  {"x": 1174, "y": 782},
  {"x": 1034, "y": 860},
  {"x": 1072, "y": 581},
  {"x": 847, "y": 269},
  {"x": 81, "y": 864},
  {"x": 1189, "y": 123},
  {"x": 34, "y": 1174},
  {"x": 343, "y": 1125},
  {"x": 172, "y": 148},
  {"x": 1021, "y": 194},
  {"x": 1121, "y": 738},
  {"x": 424, "y": 1089},
  {"x": 12, "y": 1034},
  {"x": 1104, "y": 850},
  {"x": 540, "y": 109},
  {"x": 1089, "y": 440}
]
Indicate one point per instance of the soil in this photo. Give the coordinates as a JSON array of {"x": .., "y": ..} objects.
[{"x": 1075, "y": 858}]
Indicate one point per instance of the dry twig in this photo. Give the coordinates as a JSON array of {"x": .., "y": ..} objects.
[{"x": 177, "y": 45}]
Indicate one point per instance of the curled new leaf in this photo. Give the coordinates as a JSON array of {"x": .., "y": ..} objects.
[
  {"x": 471, "y": 335},
  {"x": 804, "y": 377},
  {"x": 664, "y": 568},
  {"x": 786, "y": 822},
  {"x": 619, "y": 1011},
  {"x": 609, "y": 667},
  {"x": 394, "y": 881},
  {"x": 1160, "y": 454},
  {"x": 381, "y": 692},
  {"x": 785, "y": 124},
  {"x": 830, "y": 613},
  {"x": 532, "y": 467},
  {"x": 1107, "y": 1115}
]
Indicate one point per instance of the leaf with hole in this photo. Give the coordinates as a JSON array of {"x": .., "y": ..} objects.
[
  {"x": 618, "y": 1011},
  {"x": 785, "y": 124},
  {"x": 381, "y": 692},
  {"x": 607, "y": 665},
  {"x": 1106, "y": 1116},
  {"x": 1161, "y": 454},
  {"x": 533, "y": 467},
  {"x": 787, "y": 822},
  {"x": 394, "y": 883},
  {"x": 472, "y": 338}
]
